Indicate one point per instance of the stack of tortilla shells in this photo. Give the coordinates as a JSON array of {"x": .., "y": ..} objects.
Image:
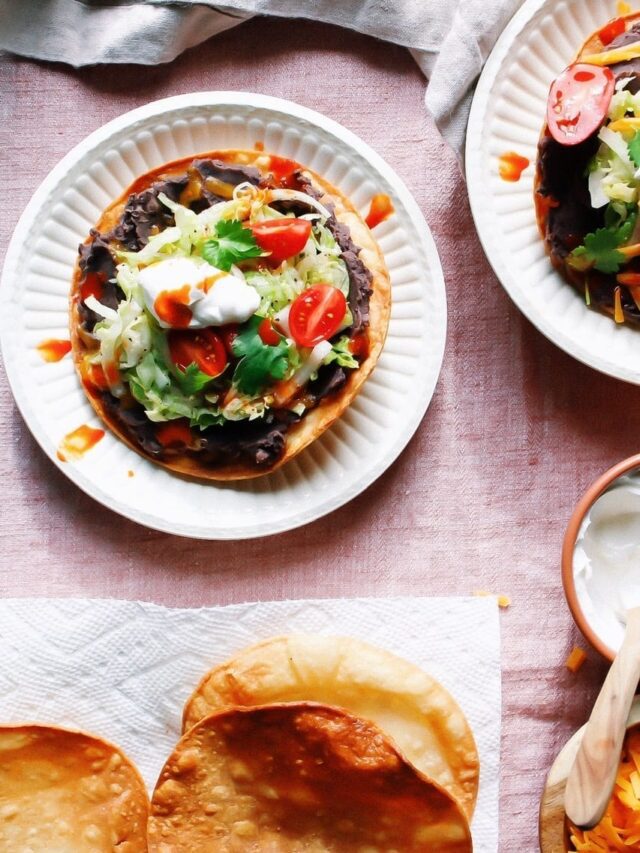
[
  {"x": 299, "y": 743},
  {"x": 317, "y": 744}
]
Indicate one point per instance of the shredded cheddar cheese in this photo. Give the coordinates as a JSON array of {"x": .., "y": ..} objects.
[
  {"x": 626, "y": 123},
  {"x": 618, "y": 313},
  {"x": 575, "y": 660},
  {"x": 619, "y": 829},
  {"x": 631, "y": 251},
  {"x": 611, "y": 57},
  {"x": 623, "y": 8}
]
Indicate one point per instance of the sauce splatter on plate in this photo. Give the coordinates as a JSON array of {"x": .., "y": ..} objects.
[
  {"x": 53, "y": 349},
  {"x": 76, "y": 443},
  {"x": 380, "y": 209},
  {"x": 511, "y": 166}
]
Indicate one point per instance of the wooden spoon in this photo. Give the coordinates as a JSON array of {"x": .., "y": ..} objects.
[{"x": 593, "y": 774}]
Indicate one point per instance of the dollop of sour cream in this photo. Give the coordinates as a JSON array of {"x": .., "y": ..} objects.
[
  {"x": 606, "y": 560},
  {"x": 186, "y": 293}
]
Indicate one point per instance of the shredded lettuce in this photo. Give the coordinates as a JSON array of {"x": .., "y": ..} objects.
[
  {"x": 341, "y": 353},
  {"x": 156, "y": 390},
  {"x": 276, "y": 289},
  {"x": 612, "y": 174},
  {"x": 124, "y": 334},
  {"x": 244, "y": 408},
  {"x": 160, "y": 246},
  {"x": 622, "y": 103}
]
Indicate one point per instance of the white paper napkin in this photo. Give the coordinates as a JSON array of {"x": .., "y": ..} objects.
[{"x": 123, "y": 669}]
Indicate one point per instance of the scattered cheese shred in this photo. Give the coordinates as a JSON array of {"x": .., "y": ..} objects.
[
  {"x": 618, "y": 313},
  {"x": 575, "y": 660},
  {"x": 630, "y": 123},
  {"x": 623, "y": 8},
  {"x": 503, "y": 600},
  {"x": 619, "y": 829},
  {"x": 612, "y": 57}
]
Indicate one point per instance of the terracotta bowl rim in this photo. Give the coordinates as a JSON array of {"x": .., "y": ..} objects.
[{"x": 568, "y": 546}]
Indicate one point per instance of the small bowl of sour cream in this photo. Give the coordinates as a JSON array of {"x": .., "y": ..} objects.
[{"x": 601, "y": 556}]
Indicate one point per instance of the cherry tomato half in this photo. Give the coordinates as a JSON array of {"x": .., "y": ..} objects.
[
  {"x": 283, "y": 238},
  {"x": 612, "y": 30},
  {"x": 316, "y": 314},
  {"x": 578, "y": 102},
  {"x": 202, "y": 347},
  {"x": 268, "y": 334}
]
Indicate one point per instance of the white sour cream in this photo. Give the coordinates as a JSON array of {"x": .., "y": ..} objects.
[
  {"x": 606, "y": 560},
  {"x": 214, "y": 298}
]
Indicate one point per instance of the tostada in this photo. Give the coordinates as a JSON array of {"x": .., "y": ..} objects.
[
  {"x": 588, "y": 171},
  {"x": 226, "y": 310}
]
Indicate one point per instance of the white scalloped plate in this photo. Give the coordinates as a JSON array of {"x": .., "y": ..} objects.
[
  {"x": 33, "y": 306},
  {"x": 507, "y": 115}
]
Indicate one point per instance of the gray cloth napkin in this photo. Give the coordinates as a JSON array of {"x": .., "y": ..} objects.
[{"x": 449, "y": 39}]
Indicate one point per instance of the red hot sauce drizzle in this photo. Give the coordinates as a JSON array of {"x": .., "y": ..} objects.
[
  {"x": 76, "y": 443},
  {"x": 283, "y": 171},
  {"x": 53, "y": 349},
  {"x": 172, "y": 306},
  {"x": 511, "y": 166},
  {"x": 380, "y": 209}
]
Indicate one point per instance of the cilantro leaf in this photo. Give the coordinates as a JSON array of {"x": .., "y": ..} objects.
[
  {"x": 232, "y": 243},
  {"x": 192, "y": 380},
  {"x": 634, "y": 148},
  {"x": 260, "y": 363},
  {"x": 600, "y": 249}
]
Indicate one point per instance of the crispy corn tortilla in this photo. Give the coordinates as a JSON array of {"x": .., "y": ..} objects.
[
  {"x": 421, "y": 717},
  {"x": 298, "y": 777},
  {"x": 67, "y": 792},
  {"x": 318, "y": 419}
]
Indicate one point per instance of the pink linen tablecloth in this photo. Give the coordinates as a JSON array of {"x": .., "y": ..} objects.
[{"x": 478, "y": 500}]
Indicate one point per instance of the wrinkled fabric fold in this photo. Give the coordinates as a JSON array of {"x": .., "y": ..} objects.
[{"x": 449, "y": 39}]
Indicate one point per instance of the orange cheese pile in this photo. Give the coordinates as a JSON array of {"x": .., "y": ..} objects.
[{"x": 619, "y": 829}]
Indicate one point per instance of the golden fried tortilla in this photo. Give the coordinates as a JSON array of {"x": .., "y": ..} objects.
[
  {"x": 315, "y": 421},
  {"x": 421, "y": 717},
  {"x": 298, "y": 777},
  {"x": 68, "y": 792}
]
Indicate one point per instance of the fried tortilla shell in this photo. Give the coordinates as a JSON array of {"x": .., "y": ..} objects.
[
  {"x": 421, "y": 717},
  {"x": 298, "y": 777},
  {"x": 316, "y": 420},
  {"x": 67, "y": 792}
]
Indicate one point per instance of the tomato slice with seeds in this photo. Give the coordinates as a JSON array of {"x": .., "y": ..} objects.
[
  {"x": 578, "y": 102},
  {"x": 316, "y": 314},
  {"x": 202, "y": 347},
  {"x": 282, "y": 238}
]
